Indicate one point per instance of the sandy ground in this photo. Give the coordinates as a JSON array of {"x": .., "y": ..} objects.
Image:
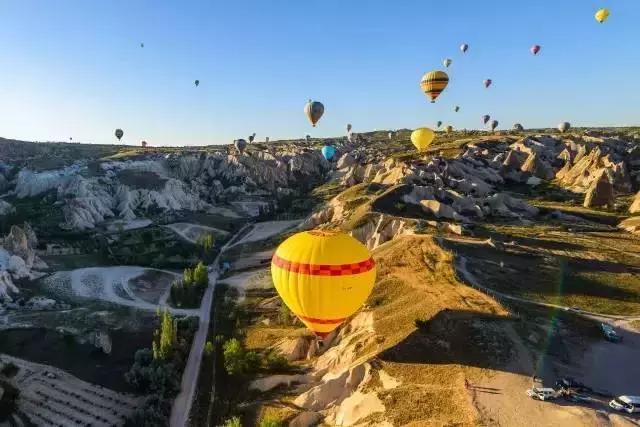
[
  {"x": 246, "y": 280},
  {"x": 191, "y": 232},
  {"x": 111, "y": 284},
  {"x": 51, "y": 396},
  {"x": 264, "y": 230}
]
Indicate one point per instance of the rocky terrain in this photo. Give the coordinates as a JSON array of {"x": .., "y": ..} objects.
[{"x": 497, "y": 257}]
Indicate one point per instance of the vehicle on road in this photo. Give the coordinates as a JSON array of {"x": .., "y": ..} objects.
[
  {"x": 609, "y": 333},
  {"x": 543, "y": 393},
  {"x": 569, "y": 383},
  {"x": 628, "y": 404}
]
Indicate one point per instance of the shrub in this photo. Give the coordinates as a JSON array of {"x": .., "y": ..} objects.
[
  {"x": 270, "y": 422},
  {"x": 208, "y": 348},
  {"x": 276, "y": 362},
  {"x": 239, "y": 361},
  {"x": 232, "y": 422}
]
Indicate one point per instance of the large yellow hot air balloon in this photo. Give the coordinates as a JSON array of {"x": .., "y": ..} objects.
[
  {"x": 433, "y": 83},
  {"x": 602, "y": 15},
  {"x": 323, "y": 277},
  {"x": 422, "y": 138}
]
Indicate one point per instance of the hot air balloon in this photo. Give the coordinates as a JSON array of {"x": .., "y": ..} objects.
[
  {"x": 456, "y": 108},
  {"x": 433, "y": 83},
  {"x": 494, "y": 124},
  {"x": 449, "y": 129},
  {"x": 422, "y": 138},
  {"x": 447, "y": 62},
  {"x": 464, "y": 47},
  {"x": 141, "y": 44},
  {"x": 518, "y": 127},
  {"x": 266, "y": 139},
  {"x": 487, "y": 82},
  {"x": 314, "y": 110},
  {"x": 252, "y": 137},
  {"x": 564, "y": 126},
  {"x": 348, "y": 127},
  {"x": 439, "y": 123},
  {"x": 240, "y": 145},
  {"x": 70, "y": 139},
  {"x": 328, "y": 152},
  {"x": 324, "y": 277},
  {"x": 307, "y": 137},
  {"x": 602, "y": 15},
  {"x": 119, "y": 134},
  {"x": 143, "y": 143},
  {"x": 486, "y": 118},
  {"x": 535, "y": 49},
  {"x": 197, "y": 83}
]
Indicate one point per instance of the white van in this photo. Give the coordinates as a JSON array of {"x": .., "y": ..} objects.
[
  {"x": 542, "y": 393},
  {"x": 629, "y": 404}
]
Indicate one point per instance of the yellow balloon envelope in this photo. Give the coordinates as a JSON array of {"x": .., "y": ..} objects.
[
  {"x": 323, "y": 277},
  {"x": 433, "y": 83},
  {"x": 422, "y": 138},
  {"x": 602, "y": 15}
]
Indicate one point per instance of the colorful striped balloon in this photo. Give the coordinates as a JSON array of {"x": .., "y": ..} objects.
[
  {"x": 324, "y": 277},
  {"x": 433, "y": 83}
]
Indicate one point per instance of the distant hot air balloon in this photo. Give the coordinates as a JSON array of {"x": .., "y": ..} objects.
[
  {"x": 449, "y": 129},
  {"x": 494, "y": 124},
  {"x": 324, "y": 277},
  {"x": 456, "y": 108},
  {"x": 197, "y": 83},
  {"x": 518, "y": 127},
  {"x": 266, "y": 139},
  {"x": 143, "y": 143},
  {"x": 464, "y": 47},
  {"x": 439, "y": 123},
  {"x": 328, "y": 152},
  {"x": 314, "y": 110},
  {"x": 535, "y": 49},
  {"x": 564, "y": 126},
  {"x": 487, "y": 82},
  {"x": 447, "y": 62},
  {"x": 70, "y": 138},
  {"x": 240, "y": 145},
  {"x": 433, "y": 83},
  {"x": 422, "y": 138},
  {"x": 348, "y": 127},
  {"x": 602, "y": 15},
  {"x": 119, "y": 134},
  {"x": 307, "y": 137},
  {"x": 486, "y": 118},
  {"x": 252, "y": 137},
  {"x": 141, "y": 44}
]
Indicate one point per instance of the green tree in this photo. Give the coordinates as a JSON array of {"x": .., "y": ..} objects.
[
  {"x": 164, "y": 337},
  {"x": 239, "y": 361},
  {"x": 208, "y": 348},
  {"x": 200, "y": 275},
  {"x": 206, "y": 241},
  {"x": 270, "y": 422},
  {"x": 187, "y": 277},
  {"x": 232, "y": 422}
]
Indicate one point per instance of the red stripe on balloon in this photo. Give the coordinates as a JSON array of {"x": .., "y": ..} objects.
[
  {"x": 323, "y": 269},
  {"x": 321, "y": 321}
]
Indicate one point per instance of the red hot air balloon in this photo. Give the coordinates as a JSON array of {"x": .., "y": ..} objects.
[
  {"x": 488, "y": 82},
  {"x": 535, "y": 49}
]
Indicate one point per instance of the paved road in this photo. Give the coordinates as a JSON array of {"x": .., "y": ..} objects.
[{"x": 182, "y": 404}]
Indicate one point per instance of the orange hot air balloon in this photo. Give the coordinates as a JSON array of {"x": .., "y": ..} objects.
[
  {"x": 324, "y": 277},
  {"x": 433, "y": 83}
]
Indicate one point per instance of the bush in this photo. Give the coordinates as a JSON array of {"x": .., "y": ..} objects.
[
  {"x": 232, "y": 422},
  {"x": 276, "y": 362},
  {"x": 270, "y": 422},
  {"x": 208, "y": 348},
  {"x": 239, "y": 361}
]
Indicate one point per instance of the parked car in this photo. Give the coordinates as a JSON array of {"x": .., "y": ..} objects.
[
  {"x": 543, "y": 393},
  {"x": 628, "y": 404},
  {"x": 569, "y": 383},
  {"x": 609, "y": 333}
]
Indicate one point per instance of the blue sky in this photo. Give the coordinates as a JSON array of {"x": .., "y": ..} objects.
[{"x": 76, "y": 69}]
